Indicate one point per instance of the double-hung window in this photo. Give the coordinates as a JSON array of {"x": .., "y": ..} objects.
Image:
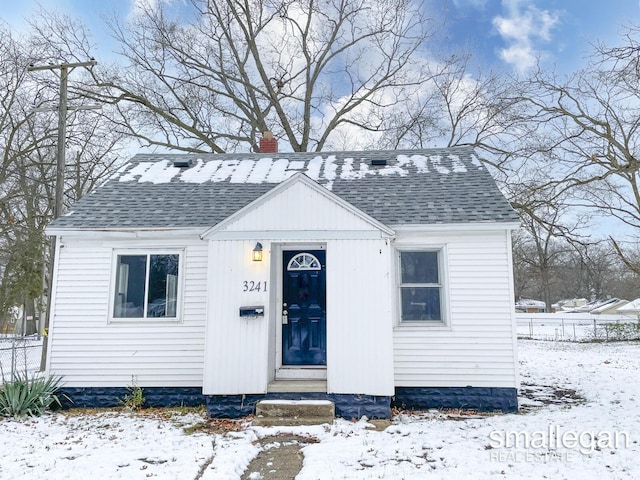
[
  {"x": 421, "y": 289},
  {"x": 146, "y": 285}
]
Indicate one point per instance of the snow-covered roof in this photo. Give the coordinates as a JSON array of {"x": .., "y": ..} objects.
[
  {"x": 608, "y": 304},
  {"x": 631, "y": 307},
  {"x": 569, "y": 303},
  {"x": 409, "y": 187},
  {"x": 598, "y": 306},
  {"x": 527, "y": 302}
]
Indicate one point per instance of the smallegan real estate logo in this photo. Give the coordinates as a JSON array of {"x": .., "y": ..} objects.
[{"x": 554, "y": 444}]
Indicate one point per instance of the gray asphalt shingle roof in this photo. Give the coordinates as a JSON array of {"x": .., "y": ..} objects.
[{"x": 432, "y": 186}]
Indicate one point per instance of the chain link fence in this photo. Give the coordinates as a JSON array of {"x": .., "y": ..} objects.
[
  {"x": 577, "y": 327},
  {"x": 19, "y": 356}
]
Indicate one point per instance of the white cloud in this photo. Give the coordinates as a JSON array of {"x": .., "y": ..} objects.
[
  {"x": 140, "y": 6},
  {"x": 524, "y": 30},
  {"x": 479, "y": 4},
  {"x": 137, "y": 5}
]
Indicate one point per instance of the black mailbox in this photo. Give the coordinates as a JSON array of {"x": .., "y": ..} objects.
[{"x": 252, "y": 311}]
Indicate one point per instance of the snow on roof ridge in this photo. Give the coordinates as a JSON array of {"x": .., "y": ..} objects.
[
  {"x": 277, "y": 168},
  {"x": 530, "y": 302}
]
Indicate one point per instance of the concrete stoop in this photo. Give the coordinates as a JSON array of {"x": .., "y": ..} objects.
[{"x": 293, "y": 412}]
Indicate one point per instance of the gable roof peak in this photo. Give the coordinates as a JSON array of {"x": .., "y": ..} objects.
[{"x": 299, "y": 178}]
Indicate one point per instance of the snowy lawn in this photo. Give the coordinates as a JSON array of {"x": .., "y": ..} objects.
[{"x": 581, "y": 420}]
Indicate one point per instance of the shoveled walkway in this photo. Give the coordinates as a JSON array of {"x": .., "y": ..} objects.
[{"x": 280, "y": 458}]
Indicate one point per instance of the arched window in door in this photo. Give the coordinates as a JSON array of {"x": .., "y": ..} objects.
[{"x": 304, "y": 261}]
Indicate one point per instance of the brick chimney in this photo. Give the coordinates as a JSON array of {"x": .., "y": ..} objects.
[{"x": 268, "y": 144}]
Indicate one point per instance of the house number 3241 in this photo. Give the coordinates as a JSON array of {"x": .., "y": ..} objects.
[{"x": 251, "y": 286}]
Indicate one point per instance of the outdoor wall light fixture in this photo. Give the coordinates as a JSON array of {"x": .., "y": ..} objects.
[{"x": 257, "y": 252}]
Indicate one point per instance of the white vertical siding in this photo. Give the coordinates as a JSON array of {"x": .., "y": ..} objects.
[
  {"x": 478, "y": 346},
  {"x": 359, "y": 326},
  {"x": 89, "y": 351},
  {"x": 301, "y": 208},
  {"x": 236, "y": 351},
  {"x": 240, "y": 353}
]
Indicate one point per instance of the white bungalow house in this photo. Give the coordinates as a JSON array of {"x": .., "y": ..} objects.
[
  {"x": 528, "y": 305},
  {"x": 370, "y": 279}
]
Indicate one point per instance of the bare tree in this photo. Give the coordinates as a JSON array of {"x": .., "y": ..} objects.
[
  {"x": 461, "y": 106},
  {"x": 569, "y": 270},
  {"x": 304, "y": 69},
  {"x": 591, "y": 122},
  {"x": 27, "y": 148},
  {"x": 542, "y": 244},
  {"x": 596, "y": 271},
  {"x": 21, "y": 252}
]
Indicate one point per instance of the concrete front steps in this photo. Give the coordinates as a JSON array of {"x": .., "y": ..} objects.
[{"x": 293, "y": 412}]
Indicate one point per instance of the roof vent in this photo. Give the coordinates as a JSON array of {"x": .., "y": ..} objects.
[
  {"x": 378, "y": 162},
  {"x": 184, "y": 163}
]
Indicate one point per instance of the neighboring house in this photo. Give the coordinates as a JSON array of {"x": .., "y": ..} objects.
[
  {"x": 568, "y": 305},
  {"x": 527, "y": 305},
  {"x": 609, "y": 306},
  {"x": 371, "y": 279},
  {"x": 10, "y": 322},
  {"x": 15, "y": 321},
  {"x": 631, "y": 308}
]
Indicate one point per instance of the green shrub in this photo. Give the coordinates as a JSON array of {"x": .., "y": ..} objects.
[
  {"x": 26, "y": 396},
  {"x": 135, "y": 399}
]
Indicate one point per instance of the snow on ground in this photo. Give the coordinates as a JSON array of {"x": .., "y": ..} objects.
[
  {"x": 580, "y": 327},
  {"x": 110, "y": 445},
  {"x": 579, "y": 397}
]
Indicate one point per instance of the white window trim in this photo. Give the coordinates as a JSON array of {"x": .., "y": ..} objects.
[
  {"x": 445, "y": 322},
  {"x": 113, "y": 282},
  {"x": 276, "y": 299}
]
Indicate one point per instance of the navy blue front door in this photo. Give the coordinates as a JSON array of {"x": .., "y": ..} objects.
[{"x": 303, "y": 308}]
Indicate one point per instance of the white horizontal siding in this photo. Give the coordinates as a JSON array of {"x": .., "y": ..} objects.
[
  {"x": 88, "y": 351},
  {"x": 477, "y": 348}
]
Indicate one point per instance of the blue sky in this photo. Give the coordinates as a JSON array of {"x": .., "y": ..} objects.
[
  {"x": 511, "y": 33},
  {"x": 503, "y": 34}
]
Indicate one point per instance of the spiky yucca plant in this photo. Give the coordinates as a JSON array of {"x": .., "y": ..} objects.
[{"x": 26, "y": 396}]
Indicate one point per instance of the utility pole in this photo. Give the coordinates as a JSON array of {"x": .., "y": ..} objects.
[
  {"x": 58, "y": 207},
  {"x": 65, "y": 69}
]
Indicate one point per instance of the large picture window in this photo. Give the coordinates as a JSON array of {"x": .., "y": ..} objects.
[
  {"x": 146, "y": 286},
  {"x": 420, "y": 286}
]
